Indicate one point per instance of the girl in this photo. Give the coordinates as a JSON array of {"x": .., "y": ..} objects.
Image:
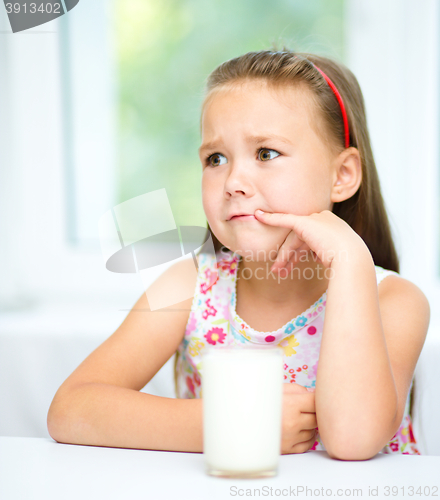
[{"x": 293, "y": 201}]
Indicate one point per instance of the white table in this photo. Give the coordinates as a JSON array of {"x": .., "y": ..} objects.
[{"x": 40, "y": 468}]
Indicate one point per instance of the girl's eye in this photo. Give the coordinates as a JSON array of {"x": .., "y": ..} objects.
[
  {"x": 264, "y": 154},
  {"x": 215, "y": 160}
]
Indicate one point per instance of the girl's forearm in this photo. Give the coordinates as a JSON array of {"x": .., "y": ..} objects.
[
  {"x": 356, "y": 397},
  {"x": 106, "y": 415}
]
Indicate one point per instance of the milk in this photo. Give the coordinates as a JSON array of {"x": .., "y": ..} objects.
[{"x": 242, "y": 392}]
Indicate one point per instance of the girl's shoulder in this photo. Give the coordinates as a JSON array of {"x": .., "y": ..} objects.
[
  {"x": 382, "y": 273},
  {"x": 401, "y": 287}
]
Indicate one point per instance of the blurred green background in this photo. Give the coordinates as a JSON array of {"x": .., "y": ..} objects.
[{"x": 165, "y": 51}]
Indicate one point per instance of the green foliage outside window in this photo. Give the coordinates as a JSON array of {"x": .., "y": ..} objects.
[{"x": 165, "y": 51}]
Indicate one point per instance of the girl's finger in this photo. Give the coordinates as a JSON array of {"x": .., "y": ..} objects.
[
  {"x": 289, "y": 258},
  {"x": 285, "y": 267},
  {"x": 287, "y": 252},
  {"x": 277, "y": 219}
]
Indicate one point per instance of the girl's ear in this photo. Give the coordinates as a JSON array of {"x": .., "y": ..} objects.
[{"x": 347, "y": 175}]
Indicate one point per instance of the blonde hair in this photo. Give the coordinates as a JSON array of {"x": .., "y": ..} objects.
[{"x": 365, "y": 211}]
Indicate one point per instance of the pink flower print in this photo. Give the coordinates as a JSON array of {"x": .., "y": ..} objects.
[
  {"x": 305, "y": 353},
  {"x": 210, "y": 311},
  {"x": 410, "y": 430},
  {"x": 404, "y": 439},
  {"x": 211, "y": 279},
  {"x": 227, "y": 265},
  {"x": 314, "y": 370},
  {"x": 394, "y": 446},
  {"x": 207, "y": 285},
  {"x": 225, "y": 309},
  {"x": 208, "y": 274},
  {"x": 315, "y": 445},
  {"x": 197, "y": 378},
  {"x": 190, "y": 385},
  {"x": 215, "y": 335},
  {"x": 192, "y": 323}
]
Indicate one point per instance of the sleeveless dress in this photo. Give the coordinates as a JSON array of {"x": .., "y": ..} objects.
[{"x": 213, "y": 320}]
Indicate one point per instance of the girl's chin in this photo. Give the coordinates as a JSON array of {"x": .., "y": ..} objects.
[{"x": 255, "y": 252}]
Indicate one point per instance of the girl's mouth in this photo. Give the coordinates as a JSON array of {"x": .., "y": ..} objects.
[{"x": 243, "y": 217}]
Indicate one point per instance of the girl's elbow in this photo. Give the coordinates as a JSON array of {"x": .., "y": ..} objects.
[
  {"x": 352, "y": 449},
  {"x": 352, "y": 453},
  {"x": 59, "y": 421},
  {"x": 55, "y": 425}
]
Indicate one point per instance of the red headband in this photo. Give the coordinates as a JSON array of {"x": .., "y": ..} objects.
[{"x": 341, "y": 104}]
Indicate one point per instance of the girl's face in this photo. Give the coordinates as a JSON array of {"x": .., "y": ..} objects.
[{"x": 260, "y": 149}]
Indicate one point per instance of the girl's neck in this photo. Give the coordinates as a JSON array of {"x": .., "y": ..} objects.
[{"x": 303, "y": 285}]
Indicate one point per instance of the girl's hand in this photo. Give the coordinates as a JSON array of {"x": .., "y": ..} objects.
[
  {"x": 325, "y": 234},
  {"x": 299, "y": 419}
]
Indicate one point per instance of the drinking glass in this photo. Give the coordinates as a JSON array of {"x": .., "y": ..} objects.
[{"x": 242, "y": 389}]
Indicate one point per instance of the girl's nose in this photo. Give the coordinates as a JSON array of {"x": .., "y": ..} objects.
[{"x": 238, "y": 182}]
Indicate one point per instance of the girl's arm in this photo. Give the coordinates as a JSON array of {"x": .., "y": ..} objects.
[
  {"x": 371, "y": 342},
  {"x": 99, "y": 414},
  {"x": 100, "y": 404}
]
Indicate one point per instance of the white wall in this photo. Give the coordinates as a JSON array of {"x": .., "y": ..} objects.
[{"x": 393, "y": 49}]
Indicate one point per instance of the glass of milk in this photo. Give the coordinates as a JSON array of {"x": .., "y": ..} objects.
[{"x": 242, "y": 390}]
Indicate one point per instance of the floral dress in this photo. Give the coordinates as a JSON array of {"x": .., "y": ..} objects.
[{"x": 213, "y": 320}]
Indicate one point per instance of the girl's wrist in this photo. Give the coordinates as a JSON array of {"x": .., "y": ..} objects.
[{"x": 357, "y": 256}]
